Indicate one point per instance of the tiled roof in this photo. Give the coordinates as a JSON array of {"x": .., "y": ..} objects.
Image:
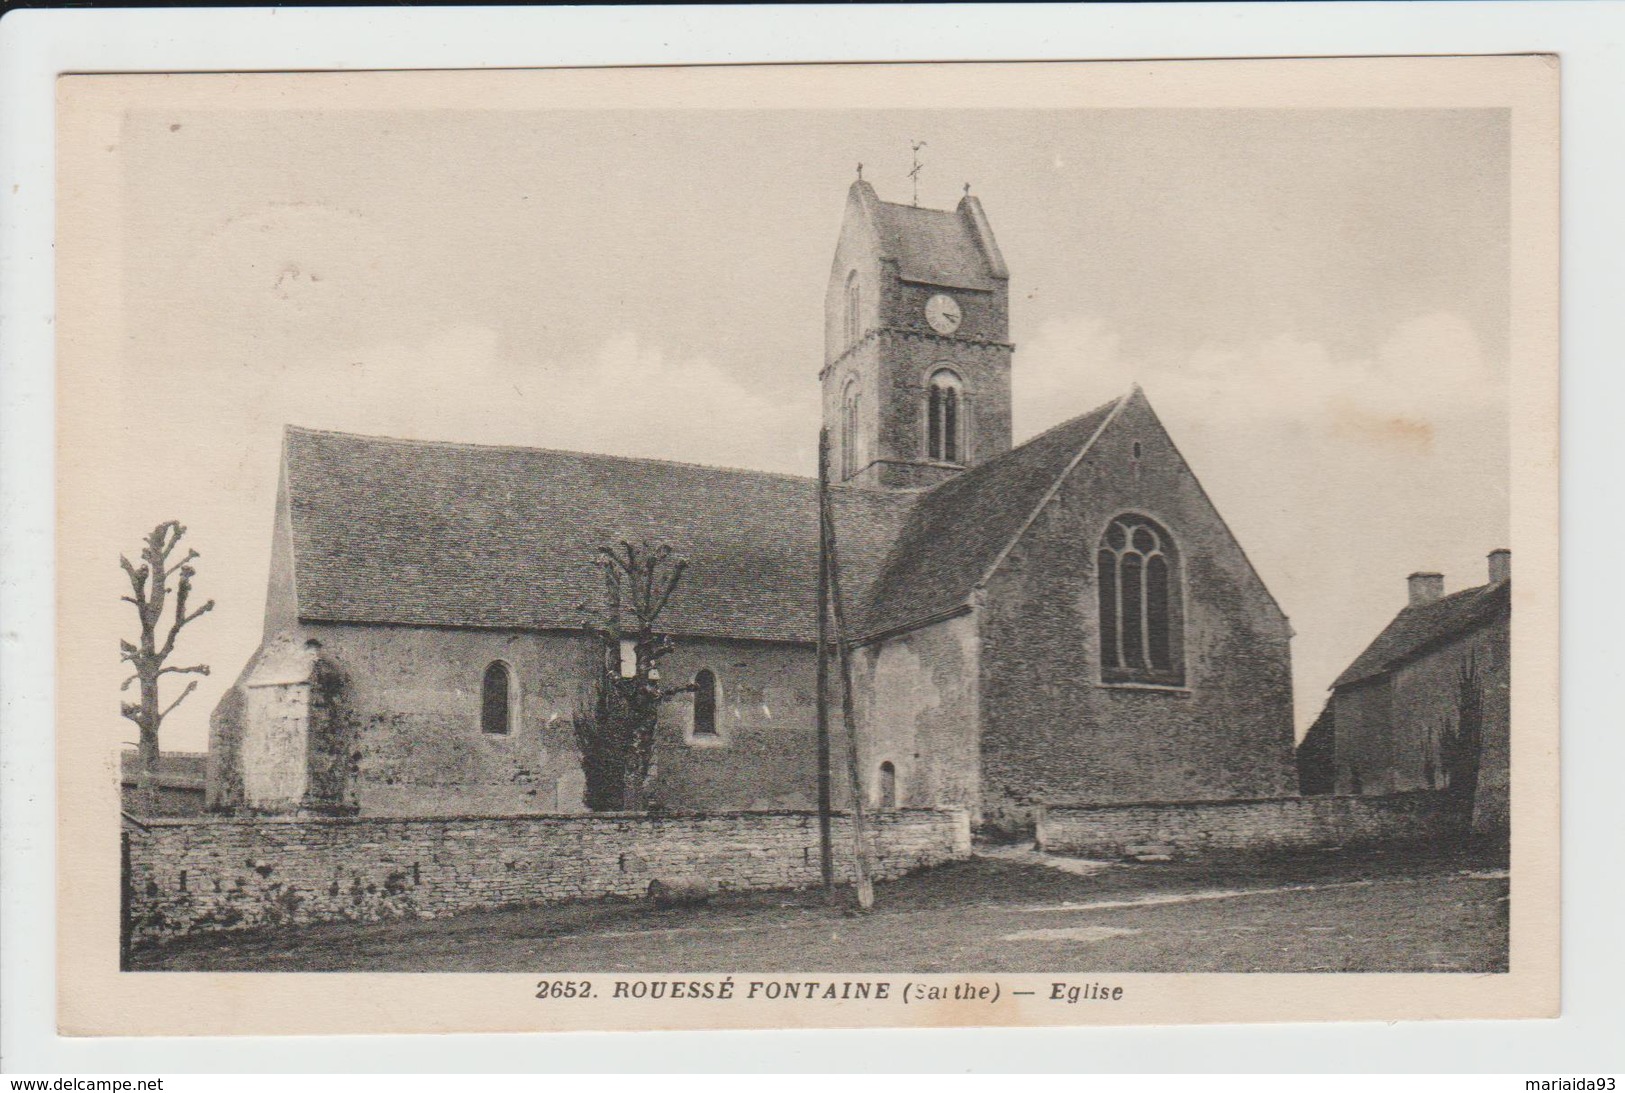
[
  {"x": 959, "y": 528},
  {"x": 1423, "y": 627},
  {"x": 431, "y": 534},
  {"x": 936, "y": 246}
]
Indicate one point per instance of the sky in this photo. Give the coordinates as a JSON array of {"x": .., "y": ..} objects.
[{"x": 1315, "y": 302}]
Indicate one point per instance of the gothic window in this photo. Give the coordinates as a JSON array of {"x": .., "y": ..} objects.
[
  {"x": 945, "y": 415},
  {"x": 854, "y": 324},
  {"x": 499, "y": 699},
  {"x": 1140, "y": 609},
  {"x": 888, "y": 785},
  {"x": 850, "y": 406},
  {"x": 705, "y": 703}
]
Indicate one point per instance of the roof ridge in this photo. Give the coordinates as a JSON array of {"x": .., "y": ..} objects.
[
  {"x": 466, "y": 445},
  {"x": 1112, "y": 408},
  {"x": 971, "y": 473}
]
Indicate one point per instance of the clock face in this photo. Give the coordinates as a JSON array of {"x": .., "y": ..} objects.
[{"x": 942, "y": 312}]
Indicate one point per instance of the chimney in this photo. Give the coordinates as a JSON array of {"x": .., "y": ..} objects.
[
  {"x": 1425, "y": 587},
  {"x": 1500, "y": 565}
]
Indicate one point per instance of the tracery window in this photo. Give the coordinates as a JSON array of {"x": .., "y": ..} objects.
[
  {"x": 1140, "y": 609},
  {"x": 945, "y": 418}
]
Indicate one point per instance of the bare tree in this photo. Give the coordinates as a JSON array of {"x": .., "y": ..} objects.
[
  {"x": 615, "y": 730},
  {"x": 151, "y": 593}
]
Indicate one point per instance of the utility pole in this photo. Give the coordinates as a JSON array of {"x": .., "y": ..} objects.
[
  {"x": 860, "y": 827},
  {"x": 826, "y": 846}
]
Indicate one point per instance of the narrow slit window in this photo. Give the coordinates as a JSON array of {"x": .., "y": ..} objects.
[
  {"x": 851, "y": 418},
  {"x": 705, "y": 703},
  {"x": 888, "y": 785},
  {"x": 854, "y": 324},
  {"x": 497, "y": 695}
]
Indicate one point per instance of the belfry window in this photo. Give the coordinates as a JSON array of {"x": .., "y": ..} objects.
[
  {"x": 705, "y": 703},
  {"x": 1140, "y": 610},
  {"x": 499, "y": 699},
  {"x": 850, "y": 423},
  {"x": 945, "y": 414}
]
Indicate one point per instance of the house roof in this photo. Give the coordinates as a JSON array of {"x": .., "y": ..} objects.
[
  {"x": 949, "y": 247},
  {"x": 959, "y": 529},
  {"x": 431, "y": 534},
  {"x": 1419, "y": 628}
]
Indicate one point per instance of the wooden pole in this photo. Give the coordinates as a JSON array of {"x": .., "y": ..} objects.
[
  {"x": 826, "y": 844},
  {"x": 860, "y": 827}
]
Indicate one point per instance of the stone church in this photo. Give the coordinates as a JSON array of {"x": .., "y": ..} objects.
[{"x": 1067, "y": 621}]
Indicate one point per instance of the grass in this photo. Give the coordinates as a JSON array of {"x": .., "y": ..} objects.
[{"x": 1416, "y": 911}]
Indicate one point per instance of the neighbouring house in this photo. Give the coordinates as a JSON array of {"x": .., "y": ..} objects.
[
  {"x": 1428, "y": 704},
  {"x": 1065, "y": 621},
  {"x": 182, "y": 781}
]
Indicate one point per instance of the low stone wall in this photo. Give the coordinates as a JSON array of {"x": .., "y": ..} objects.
[
  {"x": 213, "y": 873},
  {"x": 1285, "y": 823}
]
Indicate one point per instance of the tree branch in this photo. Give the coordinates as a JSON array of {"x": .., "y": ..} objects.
[
  {"x": 200, "y": 669},
  {"x": 190, "y": 687}
]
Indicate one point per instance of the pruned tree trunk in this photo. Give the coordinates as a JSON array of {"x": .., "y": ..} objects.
[
  {"x": 150, "y": 591},
  {"x": 617, "y": 722}
]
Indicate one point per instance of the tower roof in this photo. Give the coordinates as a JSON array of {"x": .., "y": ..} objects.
[{"x": 949, "y": 247}]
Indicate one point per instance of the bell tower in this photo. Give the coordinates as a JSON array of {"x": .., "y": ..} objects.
[{"x": 917, "y": 346}]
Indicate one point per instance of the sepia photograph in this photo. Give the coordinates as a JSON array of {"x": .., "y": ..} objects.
[{"x": 820, "y": 540}]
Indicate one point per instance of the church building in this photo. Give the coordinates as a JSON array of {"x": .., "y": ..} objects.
[{"x": 1067, "y": 621}]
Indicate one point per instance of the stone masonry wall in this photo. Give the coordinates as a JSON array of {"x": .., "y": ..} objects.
[
  {"x": 1054, "y": 730},
  {"x": 215, "y": 873},
  {"x": 1287, "y": 823}
]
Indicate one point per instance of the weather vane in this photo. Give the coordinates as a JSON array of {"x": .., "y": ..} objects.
[{"x": 914, "y": 172}]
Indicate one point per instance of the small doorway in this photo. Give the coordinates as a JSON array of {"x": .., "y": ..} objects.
[{"x": 888, "y": 785}]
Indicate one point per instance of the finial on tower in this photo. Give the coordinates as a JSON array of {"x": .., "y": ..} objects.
[
  {"x": 914, "y": 172},
  {"x": 860, "y": 172},
  {"x": 967, "y": 189}
]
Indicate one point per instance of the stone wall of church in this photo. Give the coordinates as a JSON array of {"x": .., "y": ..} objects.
[
  {"x": 412, "y": 697},
  {"x": 1055, "y": 733},
  {"x": 916, "y": 693}
]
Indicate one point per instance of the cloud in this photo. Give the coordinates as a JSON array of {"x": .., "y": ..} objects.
[{"x": 1430, "y": 369}]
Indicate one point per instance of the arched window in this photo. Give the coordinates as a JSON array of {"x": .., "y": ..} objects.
[
  {"x": 888, "y": 785},
  {"x": 854, "y": 323},
  {"x": 1141, "y": 614},
  {"x": 705, "y": 703},
  {"x": 851, "y": 400},
  {"x": 499, "y": 699},
  {"x": 945, "y": 415}
]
